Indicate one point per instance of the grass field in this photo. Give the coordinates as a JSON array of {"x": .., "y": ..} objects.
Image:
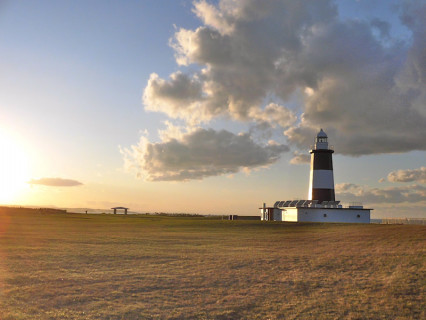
[{"x": 76, "y": 266}]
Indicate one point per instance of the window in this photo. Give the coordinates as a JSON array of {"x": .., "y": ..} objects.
[
  {"x": 325, "y": 215},
  {"x": 358, "y": 216}
]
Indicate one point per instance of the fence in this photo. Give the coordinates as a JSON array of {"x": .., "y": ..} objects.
[{"x": 420, "y": 221}]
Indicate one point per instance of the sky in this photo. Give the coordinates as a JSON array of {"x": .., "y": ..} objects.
[{"x": 211, "y": 107}]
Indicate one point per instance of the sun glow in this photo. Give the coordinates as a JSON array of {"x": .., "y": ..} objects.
[{"x": 14, "y": 168}]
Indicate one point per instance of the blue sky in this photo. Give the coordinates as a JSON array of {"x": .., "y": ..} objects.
[{"x": 78, "y": 99}]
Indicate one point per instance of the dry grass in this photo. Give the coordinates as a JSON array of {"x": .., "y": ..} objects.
[{"x": 69, "y": 266}]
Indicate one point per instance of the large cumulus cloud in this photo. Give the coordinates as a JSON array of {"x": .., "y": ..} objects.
[
  {"x": 364, "y": 87},
  {"x": 198, "y": 154},
  {"x": 238, "y": 49},
  {"x": 179, "y": 95},
  {"x": 359, "y": 95}
]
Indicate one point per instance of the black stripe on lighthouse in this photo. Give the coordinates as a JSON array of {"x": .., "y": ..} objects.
[
  {"x": 323, "y": 195},
  {"x": 323, "y": 160}
]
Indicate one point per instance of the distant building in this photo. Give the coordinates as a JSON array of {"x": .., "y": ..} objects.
[
  {"x": 120, "y": 208},
  {"x": 321, "y": 205}
]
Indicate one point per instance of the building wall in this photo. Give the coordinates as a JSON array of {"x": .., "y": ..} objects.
[
  {"x": 326, "y": 215},
  {"x": 278, "y": 214},
  {"x": 290, "y": 215}
]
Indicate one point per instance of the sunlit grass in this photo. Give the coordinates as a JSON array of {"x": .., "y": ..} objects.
[{"x": 68, "y": 266}]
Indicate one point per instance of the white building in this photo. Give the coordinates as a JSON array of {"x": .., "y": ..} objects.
[{"x": 321, "y": 206}]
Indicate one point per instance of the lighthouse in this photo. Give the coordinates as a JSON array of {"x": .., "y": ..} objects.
[
  {"x": 321, "y": 182},
  {"x": 321, "y": 205}
]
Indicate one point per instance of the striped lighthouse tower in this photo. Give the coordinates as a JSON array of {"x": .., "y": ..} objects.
[{"x": 321, "y": 182}]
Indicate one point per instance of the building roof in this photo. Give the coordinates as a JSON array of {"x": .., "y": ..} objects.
[{"x": 321, "y": 134}]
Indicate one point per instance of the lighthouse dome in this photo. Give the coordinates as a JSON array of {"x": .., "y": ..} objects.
[
  {"x": 321, "y": 134},
  {"x": 321, "y": 140}
]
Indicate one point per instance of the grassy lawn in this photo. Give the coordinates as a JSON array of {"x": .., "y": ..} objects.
[{"x": 77, "y": 266}]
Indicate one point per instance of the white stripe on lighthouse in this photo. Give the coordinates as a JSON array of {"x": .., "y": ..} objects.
[{"x": 322, "y": 179}]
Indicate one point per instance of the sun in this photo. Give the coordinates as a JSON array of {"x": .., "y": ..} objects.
[{"x": 14, "y": 168}]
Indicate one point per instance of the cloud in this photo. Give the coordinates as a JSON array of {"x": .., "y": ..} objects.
[
  {"x": 365, "y": 88},
  {"x": 383, "y": 27},
  {"x": 55, "y": 182},
  {"x": 180, "y": 94},
  {"x": 415, "y": 175},
  {"x": 273, "y": 114},
  {"x": 173, "y": 131},
  {"x": 238, "y": 49},
  {"x": 365, "y": 92},
  {"x": 198, "y": 154},
  {"x": 348, "y": 187},
  {"x": 300, "y": 158},
  {"x": 356, "y": 193}
]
